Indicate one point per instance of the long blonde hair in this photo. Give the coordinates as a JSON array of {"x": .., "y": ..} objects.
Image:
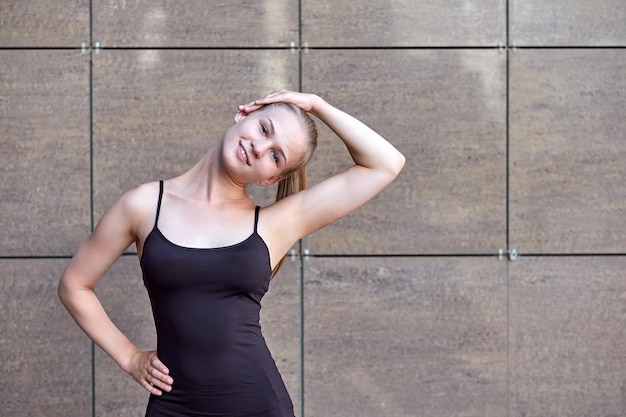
[{"x": 294, "y": 179}]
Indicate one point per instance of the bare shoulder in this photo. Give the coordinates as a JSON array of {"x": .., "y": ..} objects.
[
  {"x": 133, "y": 211},
  {"x": 142, "y": 198},
  {"x": 140, "y": 205},
  {"x": 137, "y": 202}
]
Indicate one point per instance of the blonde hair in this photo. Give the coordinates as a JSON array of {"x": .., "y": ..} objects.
[{"x": 294, "y": 179}]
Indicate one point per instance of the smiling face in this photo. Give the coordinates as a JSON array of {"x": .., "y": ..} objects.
[{"x": 264, "y": 145}]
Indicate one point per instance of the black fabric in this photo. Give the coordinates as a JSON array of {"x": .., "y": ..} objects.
[{"x": 206, "y": 305}]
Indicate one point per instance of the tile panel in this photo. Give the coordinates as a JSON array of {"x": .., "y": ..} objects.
[
  {"x": 385, "y": 23},
  {"x": 571, "y": 23},
  {"x": 567, "y": 336},
  {"x": 405, "y": 336},
  {"x": 567, "y": 151},
  {"x": 63, "y": 23},
  {"x": 44, "y": 152},
  {"x": 45, "y": 359},
  {"x": 445, "y": 110},
  {"x": 195, "y": 23}
]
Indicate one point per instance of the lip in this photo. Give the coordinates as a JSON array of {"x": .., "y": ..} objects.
[{"x": 243, "y": 154}]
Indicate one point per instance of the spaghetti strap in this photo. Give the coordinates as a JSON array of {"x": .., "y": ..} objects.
[
  {"x": 256, "y": 217},
  {"x": 156, "y": 220}
]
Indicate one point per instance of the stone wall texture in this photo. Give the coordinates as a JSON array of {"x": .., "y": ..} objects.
[{"x": 487, "y": 281}]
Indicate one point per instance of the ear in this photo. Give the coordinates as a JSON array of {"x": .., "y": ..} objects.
[
  {"x": 270, "y": 180},
  {"x": 239, "y": 117}
]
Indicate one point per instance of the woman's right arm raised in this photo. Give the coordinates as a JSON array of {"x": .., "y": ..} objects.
[{"x": 115, "y": 232}]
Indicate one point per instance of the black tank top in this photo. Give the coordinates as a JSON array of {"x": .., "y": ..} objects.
[{"x": 206, "y": 305}]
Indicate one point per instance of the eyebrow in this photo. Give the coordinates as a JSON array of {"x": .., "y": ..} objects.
[{"x": 273, "y": 131}]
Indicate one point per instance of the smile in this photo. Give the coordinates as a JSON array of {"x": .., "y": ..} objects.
[{"x": 243, "y": 154}]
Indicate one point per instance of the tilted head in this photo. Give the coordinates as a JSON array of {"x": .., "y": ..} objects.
[
  {"x": 294, "y": 177},
  {"x": 268, "y": 144},
  {"x": 310, "y": 132}
]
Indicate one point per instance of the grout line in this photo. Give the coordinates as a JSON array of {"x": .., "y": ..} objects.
[
  {"x": 282, "y": 48},
  {"x": 91, "y": 191},
  {"x": 42, "y": 48},
  {"x": 300, "y": 243},
  {"x": 467, "y": 255},
  {"x": 302, "y": 344},
  {"x": 361, "y": 255},
  {"x": 507, "y": 206}
]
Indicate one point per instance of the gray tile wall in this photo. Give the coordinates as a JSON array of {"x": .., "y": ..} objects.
[{"x": 510, "y": 113}]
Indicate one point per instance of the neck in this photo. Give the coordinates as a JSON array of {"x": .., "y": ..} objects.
[{"x": 208, "y": 179}]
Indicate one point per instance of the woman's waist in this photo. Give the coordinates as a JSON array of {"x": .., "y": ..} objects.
[
  {"x": 237, "y": 401},
  {"x": 224, "y": 385},
  {"x": 216, "y": 365}
]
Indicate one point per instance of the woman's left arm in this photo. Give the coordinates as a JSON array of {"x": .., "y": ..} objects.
[
  {"x": 376, "y": 164},
  {"x": 367, "y": 148}
]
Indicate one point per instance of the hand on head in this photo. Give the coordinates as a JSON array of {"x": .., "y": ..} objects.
[{"x": 303, "y": 100}]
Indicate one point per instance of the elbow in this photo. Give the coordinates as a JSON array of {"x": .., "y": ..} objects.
[
  {"x": 62, "y": 291},
  {"x": 398, "y": 164},
  {"x": 65, "y": 291},
  {"x": 401, "y": 162},
  {"x": 392, "y": 167}
]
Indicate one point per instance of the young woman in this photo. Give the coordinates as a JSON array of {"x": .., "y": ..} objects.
[{"x": 208, "y": 253}]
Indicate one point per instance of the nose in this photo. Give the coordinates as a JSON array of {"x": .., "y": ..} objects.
[{"x": 260, "y": 147}]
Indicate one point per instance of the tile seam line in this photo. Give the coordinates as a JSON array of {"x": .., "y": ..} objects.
[
  {"x": 361, "y": 255},
  {"x": 309, "y": 48},
  {"x": 91, "y": 189}
]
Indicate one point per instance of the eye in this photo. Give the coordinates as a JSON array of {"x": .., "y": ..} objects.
[
  {"x": 274, "y": 156},
  {"x": 263, "y": 129}
]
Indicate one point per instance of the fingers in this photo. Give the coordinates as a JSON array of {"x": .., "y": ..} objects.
[
  {"x": 273, "y": 97},
  {"x": 305, "y": 101},
  {"x": 152, "y": 374},
  {"x": 158, "y": 365},
  {"x": 158, "y": 376},
  {"x": 246, "y": 109},
  {"x": 156, "y": 382}
]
